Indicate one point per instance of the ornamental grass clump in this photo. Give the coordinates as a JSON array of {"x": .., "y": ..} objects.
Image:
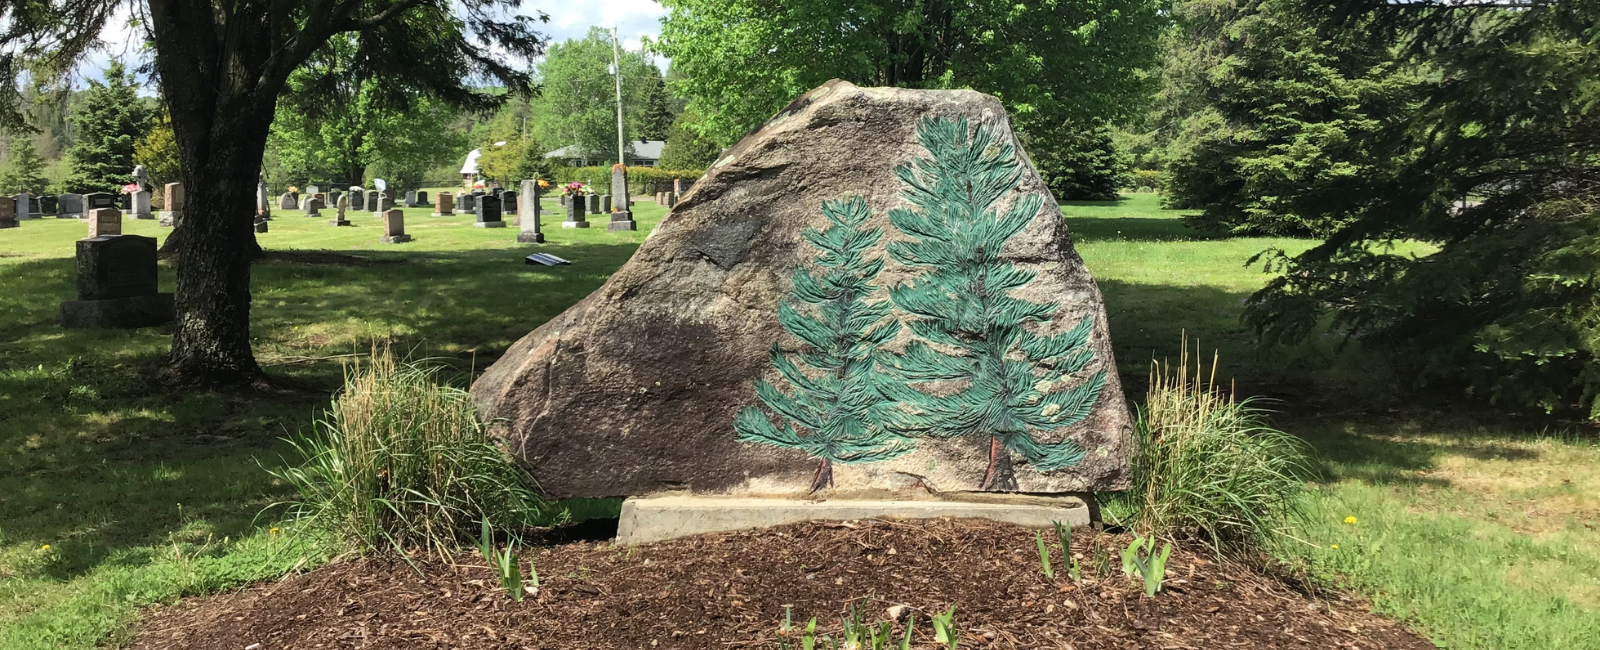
[
  {"x": 401, "y": 461},
  {"x": 1207, "y": 466}
]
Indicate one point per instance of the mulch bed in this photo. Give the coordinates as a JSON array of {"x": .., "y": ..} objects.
[{"x": 730, "y": 591}]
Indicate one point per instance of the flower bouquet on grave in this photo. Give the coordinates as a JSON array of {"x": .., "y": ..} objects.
[
  {"x": 130, "y": 188},
  {"x": 573, "y": 188}
]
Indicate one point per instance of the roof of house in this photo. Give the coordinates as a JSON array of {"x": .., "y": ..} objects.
[{"x": 647, "y": 149}]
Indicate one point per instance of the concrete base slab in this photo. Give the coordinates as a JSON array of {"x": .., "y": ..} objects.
[
  {"x": 650, "y": 519},
  {"x": 530, "y": 237},
  {"x": 396, "y": 239},
  {"x": 488, "y": 224},
  {"x": 574, "y": 224},
  {"x": 619, "y": 226}
]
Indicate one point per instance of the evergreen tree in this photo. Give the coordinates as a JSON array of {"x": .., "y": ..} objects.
[
  {"x": 110, "y": 119},
  {"x": 24, "y": 172},
  {"x": 1012, "y": 381},
  {"x": 657, "y": 117},
  {"x": 1079, "y": 164},
  {"x": 838, "y": 403}
]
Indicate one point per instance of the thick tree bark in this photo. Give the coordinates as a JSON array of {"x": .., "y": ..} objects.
[
  {"x": 1000, "y": 477},
  {"x": 221, "y": 96},
  {"x": 824, "y": 476}
]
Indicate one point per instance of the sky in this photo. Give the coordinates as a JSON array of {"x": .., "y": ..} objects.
[{"x": 634, "y": 19}]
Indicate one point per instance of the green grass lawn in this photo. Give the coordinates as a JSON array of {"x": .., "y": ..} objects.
[{"x": 1478, "y": 529}]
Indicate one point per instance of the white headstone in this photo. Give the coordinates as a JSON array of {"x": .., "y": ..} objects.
[{"x": 380, "y": 184}]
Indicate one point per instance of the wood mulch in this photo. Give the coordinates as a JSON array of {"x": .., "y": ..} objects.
[{"x": 731, "y": 590}]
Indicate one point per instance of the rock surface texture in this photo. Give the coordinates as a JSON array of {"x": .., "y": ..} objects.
[{"x": 872, "y": 294}]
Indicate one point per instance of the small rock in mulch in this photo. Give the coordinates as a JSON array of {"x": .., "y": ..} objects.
[{"x": 731, "y": 590}]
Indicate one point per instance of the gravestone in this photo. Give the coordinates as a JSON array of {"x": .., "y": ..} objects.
[
  {"x": 564, "y": 198},
  {"x": 8, "y": 212},
  {"x": 311, "y": 209},
  {"x": 446, "y": 207},
  {"x": 71, "y": 206},
  {"x": 385, "y": 203},
  {"x": 117, "y": 285},
  {"x": 172, "y": 202},
  {"x": 125, "y": 201},
  {"x": 593, "y": 201},
  {"x": 333, "y": 196},
  {"x": 338, "y": 213},
  {"x": 358, "y": 198},
  {"x": 24, "y": 207},
  {"x": 508, "y": 202},
  {"x": 576, "y": 214},
  {"x": 467, "y": 203},
  {"x": 672, "y": 200},
  {"x": 263, "y": 202},
  {"x": 340, "y": 207},
  {"x": 96, "y": 200},
  {"x": 605, "y": 204},
  {"x": 261, "y": 223},
  {"x": 320, "y": 200},
  {"x": 372, "y": 201},
  {"x": 141, "y": 205},
  {"x": 288, "y": 202},
  {"x": 48, "y": 205},
  {"x": 487, "y": 212},
  {"x": 621, "y": 215},
  {"x": 677, "y": 186},
  {"x": 104, "y": 222},
  {"x": 422, "y": 198},
  {"x": 682, "y": 372},
  {"x": 394, "y": 227},
  {"x": 411, "y": 198},
  {"x": 312, "y": 189},
  {"x": 528, "y": 212}
]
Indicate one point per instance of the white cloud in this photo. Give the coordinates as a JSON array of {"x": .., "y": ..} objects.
[{"x": 633, "y": 19}]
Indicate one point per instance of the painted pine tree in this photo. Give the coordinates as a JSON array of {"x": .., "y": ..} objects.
[
  {"x": 997, "y": 380},
  {"x": 836, "y": 404}
]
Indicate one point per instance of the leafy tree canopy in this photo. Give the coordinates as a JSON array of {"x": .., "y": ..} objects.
[
  {"x": 578, "y": 99},
  {"x": 1058, "y": 61},
  {"x": 686, "y": 148}
]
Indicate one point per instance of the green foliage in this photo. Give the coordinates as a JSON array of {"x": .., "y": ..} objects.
[
  {"x": 340, "y": 120},
  {"x": 1078, "y": 62},
  {"x": 158, "y": 152},
  {"x": 1142, "y": 560},
  {"x": 640, "y": 179},
  {"x": 1494, "y": 170},
  {"x": 1046, "y": 567},
  {"x": 521, "y": 157},
  {"x": 1207, "y": 466},
  {"x": 836, "y": 404},
  {"x": 686, "y": 148},
  {"x": 944, "y": 629},
  {"x": 1014, "y": 381},
  {"x": 656, "y": 118},
  {"x": 1078, "y": 164},
  {"x": 578, "y": 104},
  {"x": 109, "y": 118},
  {"x": 504, "y": 562},
  {"x": 1270, "y": 116},
  {"x": 403, "y": 462},
  {"x": 1145, "y": 180},
  {"x": 22, "y": 172}
]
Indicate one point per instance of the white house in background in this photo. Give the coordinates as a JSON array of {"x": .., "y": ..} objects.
[
  {"x": 469, "y": 169},
  {"x": 646, "y": 153}
]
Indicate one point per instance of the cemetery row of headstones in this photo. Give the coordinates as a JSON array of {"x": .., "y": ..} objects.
[{"x": 82, "y": 206}]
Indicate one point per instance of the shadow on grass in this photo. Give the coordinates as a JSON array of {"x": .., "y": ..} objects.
[{"x": 108, "y": 468}]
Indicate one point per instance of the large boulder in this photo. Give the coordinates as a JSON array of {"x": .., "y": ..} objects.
[{"x": 980, "y": 372}]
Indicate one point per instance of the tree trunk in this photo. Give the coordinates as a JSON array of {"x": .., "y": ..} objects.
[
  {"x": 221, "y": 106},
  {"x": 824, "y": 476},
  {"x": 1000, "y": 477}
]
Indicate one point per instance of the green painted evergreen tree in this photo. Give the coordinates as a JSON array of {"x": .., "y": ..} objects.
[
  {"x": 110, "y": 119},
  {"x": 837, "y": 405},
  {"x": 1011, "y": 381}
]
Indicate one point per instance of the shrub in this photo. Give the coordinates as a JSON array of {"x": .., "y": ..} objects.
[
  {"x": 638, "y": 177},
  {"x": 1207, "y": 466},
  {"x": 1146, "y": 180},
  {"x": 401, "y": 461}
]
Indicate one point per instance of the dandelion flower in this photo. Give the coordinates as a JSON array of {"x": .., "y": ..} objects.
[
  {"x": 46, "y": 547},
  {"x": 1350, "y": 520},
  {"x": 1334, "y": 547}
]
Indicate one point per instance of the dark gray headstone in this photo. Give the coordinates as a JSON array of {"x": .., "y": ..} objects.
[
  {"x": 467, "y": 203},
  {"x": 487, "y": 211},
  {"x": 422, "y": 198},
  {"x": 372, "y": 201},
  {"x": 96, "y": 200},
  {"x": 71, "y": 204},
  {"x": 576, "y": 214},
  {"x": 594, "y": 203},
  {"x": 117, "y": 285},
  {"x": 48, "y": 204},
  {"x": 508, "y": 202},
  {"x": 125, "y": 202}
]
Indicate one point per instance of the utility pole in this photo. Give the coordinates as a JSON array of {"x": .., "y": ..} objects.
[{"x": 616, "y": 69}]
